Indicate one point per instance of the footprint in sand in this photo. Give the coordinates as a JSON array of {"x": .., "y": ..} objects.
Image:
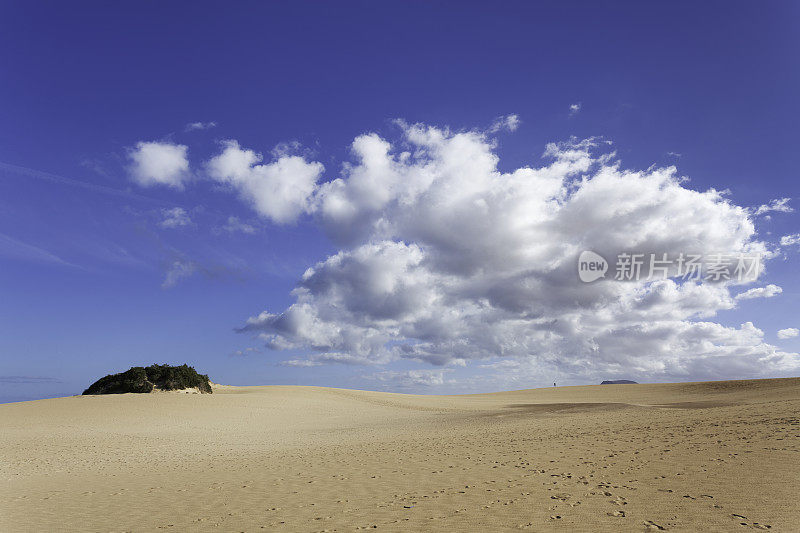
[
  {"x": 621, "y": 514},
  {"x": 652, "y": 526}
]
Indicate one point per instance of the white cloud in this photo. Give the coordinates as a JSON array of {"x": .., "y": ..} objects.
[
  {"x": 789, "y": 240},
  {"x": 760, "y": 292},
  {"x": 574, "y": 109},
  {"x": 159, "y": 163},
  {"x": 14, "y": 249},
  {"x": 447, "y": 260},
  {"x": 303, "y": 363},
  {"x": 410, "y": 378},
  {"x": 234, "y": 225},
  {"x": 177, "y": 272},
  {"x": 506, "y": 122},
  {"x": 175, "y": 217},
  {"x": 246, "y": 351},
  {"x": 194, "y": 126},
  {"x": 778, "y": 205},
  {"x": 279, "y": 190},
  {"x": 788, "y": 333}
]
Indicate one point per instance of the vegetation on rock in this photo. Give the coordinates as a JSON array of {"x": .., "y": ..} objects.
[{"x": 147, "y": 379}]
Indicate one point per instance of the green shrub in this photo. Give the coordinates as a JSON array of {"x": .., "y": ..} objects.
[{"x": 145, "y": 379}]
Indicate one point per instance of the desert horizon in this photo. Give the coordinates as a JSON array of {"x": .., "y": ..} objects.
[
  {"x": 674, "y": 456},
  {"x": 399, "y": 266}
]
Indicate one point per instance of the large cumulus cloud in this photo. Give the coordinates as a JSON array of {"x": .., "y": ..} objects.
[{"x": 445, "y": 259}]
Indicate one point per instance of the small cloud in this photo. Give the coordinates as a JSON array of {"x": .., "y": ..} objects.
[
  {"x": 286, "y": 149},
  {"x": 176, "y": 217},
  {"x": 779, "y": 205},
  {"x": 760, "y": 292},
  {"x": 676, "y": 155},
  {"x": 178, "y": 271},
  {"x": 194, "y": 126},
  {"x": 410, "y": 378},
  {"x": 280, "y": 191},
  {"x": 788, "y": 333},
  {"x": 574, "y": 109},
  {"x": 315, "y": 359},
  {"x": 789, "y": 240},
  {"x": 159, "y": 163},
  {"x": 505, "y": 122},
  {"x": 303, "y": 363},
  {"x": 234, "y": 225},
  {"x": 95, "y": 166},
  {"x": 246, "y": 351}
]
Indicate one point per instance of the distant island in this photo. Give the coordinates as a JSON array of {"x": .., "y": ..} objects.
[
  {"x": 618, "y": 382},
  {"x": 152, "y": 378}
]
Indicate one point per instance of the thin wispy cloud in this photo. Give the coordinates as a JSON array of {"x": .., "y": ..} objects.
[
  {"x": 505, "y": 122},
  {"x": 195, "y": 126},
  {"x": 28, "y": 380},
  {"x": 302, "y": 363},
  {"x": 14, "y": 171},
  {"x": 410, "y": 378},
  {"x": 235, "y": 225},
  {"x": 16, "y": 249},
  {"x": 176, "y": 217},
  {"x": 247, "y": 351},
  {"x": 179, "y": 270}
]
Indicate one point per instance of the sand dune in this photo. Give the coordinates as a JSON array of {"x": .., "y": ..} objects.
[{"x": 718, "y": 456}]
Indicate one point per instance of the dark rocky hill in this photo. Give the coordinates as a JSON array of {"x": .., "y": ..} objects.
[
  {"x": 148, "y": 379},
  {"x": 618, "y": 382}
]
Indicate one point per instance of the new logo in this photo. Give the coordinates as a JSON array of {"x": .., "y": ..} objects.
[{"x": 591, "y": 266}]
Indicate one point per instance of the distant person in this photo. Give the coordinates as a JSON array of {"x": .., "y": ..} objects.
[{"x": 554, "y": 384}]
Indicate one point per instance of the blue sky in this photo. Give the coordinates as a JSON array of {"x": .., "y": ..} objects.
[{"x": 101, "y": 270}]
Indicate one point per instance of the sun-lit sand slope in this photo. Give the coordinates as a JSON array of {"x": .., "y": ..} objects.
[{"x": 719, "y": 456}]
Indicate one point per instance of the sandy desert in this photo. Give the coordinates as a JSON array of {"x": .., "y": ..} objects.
[{"x": 716, "y": 456}]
